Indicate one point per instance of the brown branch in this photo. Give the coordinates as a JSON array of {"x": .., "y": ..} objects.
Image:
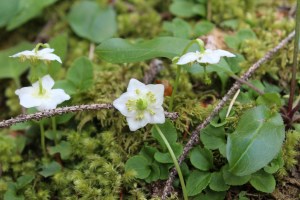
[
  {"x": 64, "y": 110},
  {"x": 194, "y": 139},
  {"x": 155, "y": 67}
]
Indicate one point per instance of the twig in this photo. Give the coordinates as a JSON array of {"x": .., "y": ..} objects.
[
  {"x": 250, "y": 85},
  {"x": 60, "y": 111},
  {"x": 194, "y": 139},
  {"x": 155, "y": 67},
  {"x": 91, "y": 51}
]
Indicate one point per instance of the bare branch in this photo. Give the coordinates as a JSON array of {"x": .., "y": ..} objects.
[
  {"x": 64, "y": 110},
  {"x": 194, "y": 139}
]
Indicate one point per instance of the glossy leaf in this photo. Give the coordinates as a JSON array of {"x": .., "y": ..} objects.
[
  {"x": 213, "y": 137},
  {"x": 12, "y": 67},
  {"x": 63, "y": 148},
  {"x": 169, "y": 131},
  {"x": 117, "y": 50},
  {"x": 187, "y": 9},
  {"x": 8, "y": 10},
  {"x": 256, "y": 141},
  {"x": 197, "y": 182},
  {"x": 201, "y": 158},
  {"x": 91, "y": 21},
  {"x": 232, "y": 179},
  {"x": 27, "y": 10},
  {"x": 210, "y": 195},
  {"x": 140, "y": 165},
  {"x": 203, "y": 28},
  {"x": 166, "y": 157},
  {"x": 263, "y": 182},
  {"x": 50, "y": 169},
  {"x": 179, "y": 28},
  {"x": 217, "y": 182}
]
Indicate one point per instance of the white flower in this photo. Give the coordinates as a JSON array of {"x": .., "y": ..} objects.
[
  {"x": 41, "y": 96},
  {"x": 141, "y": 104},
  {"x": 208, "y": 56},
  {"x": 43, "y": 54}
]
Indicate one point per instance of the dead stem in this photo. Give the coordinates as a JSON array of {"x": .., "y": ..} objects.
[
  {"x": 64, "y": 110},
  {"x": 194, "y": 139}
]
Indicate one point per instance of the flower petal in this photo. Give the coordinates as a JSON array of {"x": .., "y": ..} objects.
[
  {"x": 209, "y": 58},
  {"x": 158, "y": 91},
  {"x": 58, "y": 96},
  {"x": 221, "y": 52},
  {"x": 47, "y": 104},
  {"x": 158, "y": 117},
  {"x": 45, "y": 51},
  {"x": 136, "y": 124},
  {"x": 135, "y": 84},
  {"x": 188, "y": 58},
  {"x": 51, "y": 56},
  {"x": 26, "y": 53},
  {"x": 120, "y": 104},
  {"x": 47, "y": 83},
  {"x": 29, "y": 101}
]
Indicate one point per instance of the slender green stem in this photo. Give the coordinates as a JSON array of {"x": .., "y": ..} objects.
[
  {"x": 54, "y": 129},
  {"x": 43, "y": 139},
  {"x": 178, "y": 72},
  {"x": 295, "y": 60},
  {"x": 18, "y": 83},
  {"x": 174, "y": 161},
  {"x": 208, "y": 10}
]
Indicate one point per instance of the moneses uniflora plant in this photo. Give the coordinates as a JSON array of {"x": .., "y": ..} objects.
[
  {"x": 41, "y": 95},
  {"x": 141, "y": 104},
  {"x": 46, "y": 54}
]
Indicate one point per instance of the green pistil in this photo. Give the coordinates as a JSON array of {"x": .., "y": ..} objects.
[
  {"x": 41, "y": 89},
  {"x": 141, "y": 104}
]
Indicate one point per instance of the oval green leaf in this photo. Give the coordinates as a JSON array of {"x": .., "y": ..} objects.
[
  {"x": 117, "y": 50},
  {"x": 92, "y": 22},
  {"x": 197, "y": 182},
  {"x": 140, "y": 165},
  {"x": 256, "y": 141},
  {"x": 262, "y": 181},
  {"x": 201, "y": 158}
]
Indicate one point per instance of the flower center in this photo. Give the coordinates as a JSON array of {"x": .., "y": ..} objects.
[
  {"x": 141, "y": 104},
  {"x": 42, "y": 91}
]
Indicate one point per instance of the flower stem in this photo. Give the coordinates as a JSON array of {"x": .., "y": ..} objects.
[
  {"x": 54, "y": 129},
  {"x": 174, "y": 161},
  {"x": 43, "y": 139},
  {"x": 178, "y": 72},
  {"x": 295, "y": 62}
]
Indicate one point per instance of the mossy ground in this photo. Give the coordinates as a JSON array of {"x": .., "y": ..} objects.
[{"x": 101, "y": 141}]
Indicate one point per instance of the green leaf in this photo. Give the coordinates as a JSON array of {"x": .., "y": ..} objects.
[
  {"x": 269, "y": 99},
  {"x": 275, "y": 165},
  {"x": 203, "y": 28},
  {"x": 197, "y": 182},
  {"x": 67, "y": 86},
  {"x": 50, "y": 169},
  {"x": 166, "y": 157},
  {"x": 217, "y": 182},
  {"x": 232, "y": 179},
  {"x": 91, "y": 21},
  {"x": 242, "y": 35},
  {"x": 201, "y": 158},
  {"x": 27, "y": 10},
  {"x": 12, "y": 67},
  {"x": 155, "y": 173},
  {"x": 257, "y": 140},
  {"x": 263, "y": 181},
  {"x": 23, "y": 181},
  {"x": 148, "y": 153},
  {"x": 63, "y": 148},
  {"x": 11, "y": 193},
  {"x": 7, "y": 10},
  {"x": 210, "y": 195},
  {"x": 117, "y": 50},
  {"x": 52, "y": 135},
  {"x": 140, "y": 165},
  {"x": 213, "y": 137},
  {"x": 179, "y": 28},
  {"x": 187, "y": 9},
  {"x": 81, "y": 74},
  {"x": 169, "y": 131}
]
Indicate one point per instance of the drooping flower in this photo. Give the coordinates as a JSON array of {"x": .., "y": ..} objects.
[
  {"x": 141, "y": 104},
  {"x": 45, "y": 54},
  {"x": 207, "y": 56},
  {"x": 41, "y": 95}
]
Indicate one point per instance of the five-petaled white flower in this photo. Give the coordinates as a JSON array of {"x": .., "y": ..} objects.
[
  {"x": 43, "y": 54},
  {"x": 41, "y": 96},
  {"x": 141, "y": 104},
  {"x": 208, "y": 56}
]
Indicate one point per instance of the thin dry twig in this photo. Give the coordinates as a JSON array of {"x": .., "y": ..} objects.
[
  {"x": 194, "y": 139},
  {"x": 155, "y": 67},
  {"x": 64, "y": 110}
]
